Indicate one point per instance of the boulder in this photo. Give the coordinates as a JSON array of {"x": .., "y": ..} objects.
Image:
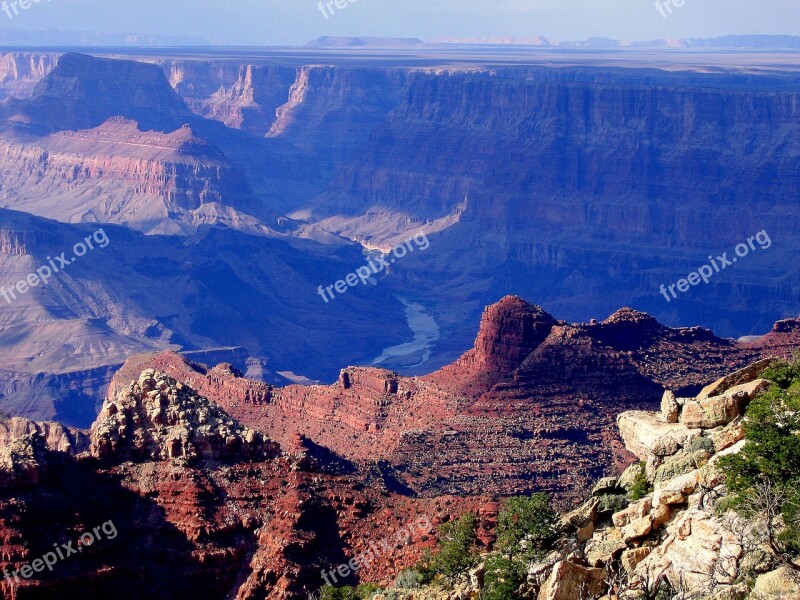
[
  {"x": 713, "y": 411},
  {"x": 697, "y": 553},
  {"x": 728, "y": 435},
  {"x": 646, "y": 435},
  {"x": 670, "y": 409},
  {"x": 637, "y": 529},
  {"x": 569, "y": 581},
  {"x": 661, "y": 516},
  {"x": 584, "y": 515},
  {"x": 681, "y": 463},
  {"x": 607, "y": 485},
  {"x": 780, "y": 584},
  {"x": 604, "y": 547},
  {"x": 739, "y": 377},
  {"x": 631, "y": 558},
  {"x": 675, "y": 491},
  {"x": 635, "y": 510}
]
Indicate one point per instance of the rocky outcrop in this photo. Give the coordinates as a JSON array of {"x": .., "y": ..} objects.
[
  {"x": 242, "y": 519},
  {"x": 158, "y": 418},
  {"x": 568, "y": 581},
  {"x": 23, "y": 461},
  {"x": 675, "y": 532},
  {"x": 510, "y": 391},
  {"x": 55, "y": 436}
]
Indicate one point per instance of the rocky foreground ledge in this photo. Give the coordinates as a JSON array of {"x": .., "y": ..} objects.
[{"x": 675, "y": 531}]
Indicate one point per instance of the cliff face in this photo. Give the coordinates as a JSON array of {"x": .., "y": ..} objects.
[
  {"x": 558, "y": 183},
  {"x": 508, "y": 396},
  {"x": 245, "y": 97},
  {"x": 115, "y": 173},
  {"x": 192, "y": 504},
  {"x": 21, "y": 71},
  {"x": 222, "y": 289}
]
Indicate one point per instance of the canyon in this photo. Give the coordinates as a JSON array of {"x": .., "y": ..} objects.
[
  {"x": 493, "y": 422},
  {"x": 222, "y": 486},
  {"x": 536, "y": 173}
]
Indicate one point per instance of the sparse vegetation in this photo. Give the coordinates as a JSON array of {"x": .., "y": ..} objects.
[
  {"x": 764, "y": 478},
  {"x": 457, "y": 551},
  {"x": 641, "y": 487},
  {"x": 502, "y": 578},
  {"x": 527, "y": 526},
  {"x": 362, "y": 592}
]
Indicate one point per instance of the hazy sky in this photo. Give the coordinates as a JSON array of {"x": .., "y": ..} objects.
[{"x": 275, "y": 22}]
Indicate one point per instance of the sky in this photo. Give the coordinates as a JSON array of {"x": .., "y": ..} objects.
[{"x": 290, "y": 22}]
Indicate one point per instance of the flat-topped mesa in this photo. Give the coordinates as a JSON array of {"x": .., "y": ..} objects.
[
  {"x": 368, "y": 380},
  {"x": 84, "y": 91},
  {"x": 158, "y": 418},
  {"x": 510, "y": 330}
]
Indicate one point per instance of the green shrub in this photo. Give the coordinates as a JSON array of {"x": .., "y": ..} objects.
[
  {"x": 410, "y": 579},
  {"x": 502, "y": 577},
  {"x": 457, "y": 552},
  {"x": 362, "y": 592},
  {"x": 612, "y": 502},
  {"x": 527, "y": 526},
  {"x": 771, "y": 454},
  {"x": 701, "y": 443},
  {"x": 641, "y": 487}
]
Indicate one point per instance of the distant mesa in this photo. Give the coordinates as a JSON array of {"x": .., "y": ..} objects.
[{"x": 365, "y": 42}]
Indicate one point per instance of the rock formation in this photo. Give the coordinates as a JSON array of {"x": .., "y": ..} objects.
[
  {"x": 203, "y": 506},
  {"x": 453, "y": 431},
  {"x": 161, "y": 419}
]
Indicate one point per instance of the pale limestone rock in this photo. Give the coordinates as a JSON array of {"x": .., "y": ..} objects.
[
  {"x": 607, "y": 485},
  {"x": 631, "y": 558},
  {"x": 735, "y": 449},
  {"x": 582, "y": 516},
  {"x": 604, "y": 547},
  {"x": 729, "y": 435},
  {"x": 661, "y": 516},
  {"x": 637, "y": 529},
  {"x": 57, "y": 437},
  {"x": 780, "y": 584},
  {"x": 670, "y": 409},
  {"x": 696, "y": 543},
  {"x": 710, "y": 412},
  {"x": 675, "y": 491},
  {"x": 569, "y": 581},
  {"x": 646, "y": 434},
  {"x": 635, "y": 510},
  {"x": 741, "y": 376}
]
